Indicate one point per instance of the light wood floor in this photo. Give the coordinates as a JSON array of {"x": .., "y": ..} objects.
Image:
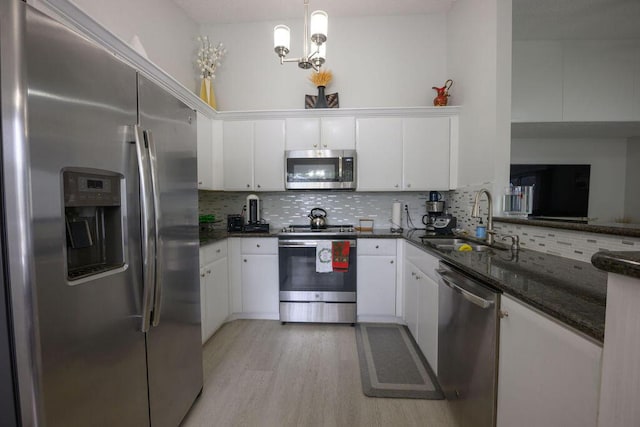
[{"x": 262, "y": 373}]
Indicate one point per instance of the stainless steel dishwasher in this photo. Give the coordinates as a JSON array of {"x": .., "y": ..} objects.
[{"x": 467, "y": 346}]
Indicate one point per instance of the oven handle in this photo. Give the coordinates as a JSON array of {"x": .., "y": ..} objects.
[{"x": 310, "y": 243}]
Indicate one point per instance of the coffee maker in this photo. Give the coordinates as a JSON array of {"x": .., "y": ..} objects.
[
  {"x": 253, "y": 222},
  {"x": 436, "y": 220}
]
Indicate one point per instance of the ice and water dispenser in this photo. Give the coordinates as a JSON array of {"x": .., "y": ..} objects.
[{"x": 93, "y": 222}]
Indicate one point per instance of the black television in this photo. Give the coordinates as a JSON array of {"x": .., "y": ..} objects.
[{"x": 560, "y": 191}]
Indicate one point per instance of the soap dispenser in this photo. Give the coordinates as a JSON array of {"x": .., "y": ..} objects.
[{"x": 481, "y": 230}]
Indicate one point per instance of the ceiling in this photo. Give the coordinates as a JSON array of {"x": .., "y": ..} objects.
[{"x": 236, "y": 11}]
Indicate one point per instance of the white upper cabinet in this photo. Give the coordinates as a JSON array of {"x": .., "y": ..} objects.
[
  {"x": 254, "y": 155},
  {"x": 268, "y": 152},
  {"x": 601, "y": 81},
  {"x": 425, "y": 153},
  {"x": 408, "y": 154},
  {"x": 238, "y": 155},
  {"x": 338, "y": 133},
  {"x": 379, "y": 147},
  {"x": 574, "y": 81},
  {"x": 204, "y": 134},
  {"x": 327, "y": 133},
  {"x": 537, "y": 81},
  {"x": 218, "y": 156}
]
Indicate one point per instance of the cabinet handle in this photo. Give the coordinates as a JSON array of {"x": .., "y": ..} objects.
[
  {"x": 417, "y": 277},
  {"x": 208, "y": 271},
  {"x": 396, "y": 186},
  {"x": 248, "y": 185},
  {"x": 325, "y": 145},
  {"x": 503, "y": 313},
  {"x": 315, "y": 145},
  {"x": 377, "y": 246},
  {"x": 218, "y": 250},
  {"x": 245, "y": 260},
  {"x": 201, "y": 274},
  {"x": 258, "y": 245},
  {"x": 391, "y": 262},
  {"x": 258, "y": 185},
  {"x": 408, "y": 185},
  {"x": 199, "y": 182},
  {"x": 413, "y": 273}
]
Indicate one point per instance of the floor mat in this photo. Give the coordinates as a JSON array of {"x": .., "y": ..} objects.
[{"x": 392, "y": 365}]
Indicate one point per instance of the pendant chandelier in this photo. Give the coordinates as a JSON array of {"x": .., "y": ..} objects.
[{"x": 315, "y": 36}]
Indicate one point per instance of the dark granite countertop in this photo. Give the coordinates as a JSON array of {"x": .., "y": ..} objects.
[
  {"x": 573, "y": 292},
  {"x": 570, "y": 291},
  {"x": 626, "y": 263},
  {"x": 618, "y": 229}
]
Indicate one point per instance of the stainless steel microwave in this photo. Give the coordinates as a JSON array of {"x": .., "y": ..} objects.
[{"x": 320, "y": 170}]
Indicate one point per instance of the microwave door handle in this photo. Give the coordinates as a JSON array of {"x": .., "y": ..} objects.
[
  {"x": 147, "y": 227},
  {"x": 340, "y": 178},
  {"x": 153, "y": 169}
]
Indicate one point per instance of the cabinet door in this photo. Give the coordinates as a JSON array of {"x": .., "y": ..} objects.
[
  {"x": 600, "y": 80},
  {"x": 218, "y": 160},
  {"x": 425, "y": 153},
  {"x": 411, "y": 298},
  {"x": 548, "y": 374},
  {"x": 428, "y": 319},
  {"x": 269, "y": 155},
  {"x": 204, "y": 133},
  {"x": 217, "y": 294},
  {"x": 260, "y": 284},
  {"x": 203, "y": 305},
  {"x": 376, "y": 286},
  {"x": 338, "y": 133},
  {"x": 379, "y": 145},
  {"x": 238, "y": 155},
  {"x": 303, "y": 133}
]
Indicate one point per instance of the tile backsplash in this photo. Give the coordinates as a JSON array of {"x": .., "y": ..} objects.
[{"x": 292, "y": 207}]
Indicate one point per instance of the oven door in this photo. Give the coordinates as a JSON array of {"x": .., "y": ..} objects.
[{"x": 299, "y": 280}]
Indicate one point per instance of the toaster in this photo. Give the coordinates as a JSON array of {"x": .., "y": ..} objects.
[{"x": 234, "y": 223}]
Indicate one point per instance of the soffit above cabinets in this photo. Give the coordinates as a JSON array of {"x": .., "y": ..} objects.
[
  {"x": 575, "y": 130},
  {"x": 576, "y": 19},
  {"x": 236, "y": 11}
]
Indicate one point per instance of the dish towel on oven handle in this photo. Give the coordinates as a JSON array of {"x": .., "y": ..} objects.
[
  {"x": 340, "y": 252},
  {"x": 323, "y": 257}
]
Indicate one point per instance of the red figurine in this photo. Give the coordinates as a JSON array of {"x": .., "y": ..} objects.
[{"x": 443, "y": 94}]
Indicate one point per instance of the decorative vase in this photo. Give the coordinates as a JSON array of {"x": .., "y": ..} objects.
[
  {"x": 321, "y": 100},
  {"x": 207, "y": 94}
]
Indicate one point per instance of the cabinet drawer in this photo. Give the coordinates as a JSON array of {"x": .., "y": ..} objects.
[
  {"x": 259, "y": 245},
  {"x": 376, "y": 246},
  {"x": 213, "y": 252}
]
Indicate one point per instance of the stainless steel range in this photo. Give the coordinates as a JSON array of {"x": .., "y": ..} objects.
[{"x": 307, "y": 295}]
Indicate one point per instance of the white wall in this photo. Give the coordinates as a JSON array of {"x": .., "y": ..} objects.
[
  {"x": 479, "y": 60},
  {"x": 166, "y": 32},
  {"x": 632, "y": 194},
  {"x": 607, "y": 158},
  {"x": 390, "y": 61}
]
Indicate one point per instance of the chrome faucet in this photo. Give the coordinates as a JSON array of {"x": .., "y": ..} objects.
[{"x": 475, "y": 213}]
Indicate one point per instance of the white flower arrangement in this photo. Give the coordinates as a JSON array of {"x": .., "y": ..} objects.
[{"x": 209, "y": 58}]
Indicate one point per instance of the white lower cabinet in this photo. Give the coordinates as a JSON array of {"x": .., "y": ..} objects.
[
  {"x": 421, "y": 310},
  {"x": 214, "y": 288},
  {"x": 376, "y": 280},
  {"x": 548, "y": 374},
  {"x": 253, "y": 268}
]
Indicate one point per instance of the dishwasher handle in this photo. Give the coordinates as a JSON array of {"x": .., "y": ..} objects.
[{"x": 469, "y": 296}]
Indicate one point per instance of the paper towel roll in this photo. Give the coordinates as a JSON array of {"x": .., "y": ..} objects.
[{"x": 396, "y": 218}]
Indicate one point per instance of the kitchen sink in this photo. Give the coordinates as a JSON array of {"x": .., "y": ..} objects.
[{"x": 454, "y": 244}]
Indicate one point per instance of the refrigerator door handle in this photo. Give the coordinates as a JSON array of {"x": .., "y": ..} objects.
[
  {"x": 153, "y": 166},
  {"x": 148, "y": 230}
]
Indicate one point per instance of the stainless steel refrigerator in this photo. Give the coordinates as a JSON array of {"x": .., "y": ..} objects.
[{"x": 99, "y": 234}]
